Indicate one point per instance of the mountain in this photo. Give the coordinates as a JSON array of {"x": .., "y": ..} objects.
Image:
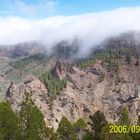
[
  {"x": 21, "y": 49},
  {"x": 107, "y": 80}
]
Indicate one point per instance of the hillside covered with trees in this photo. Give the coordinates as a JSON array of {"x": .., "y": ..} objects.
[{"x": 29, "y": 124}]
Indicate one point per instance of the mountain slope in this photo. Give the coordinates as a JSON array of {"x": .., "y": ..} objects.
[
  {"x": 89, "y": 89},
  {"x": 107, "y": 80}
]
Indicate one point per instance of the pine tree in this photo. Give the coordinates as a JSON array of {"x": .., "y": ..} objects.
[
  {"x": 32, "y": 124},
  {"x": 128, "y": 58},
  {"x": 124, "y": 118},
  {"x": 79, "y": 127},
  {"x": 89, "y": 135},
  {"x": 53, "y": 84},
  {"x": 8, "y": 122},
  {"x": 98, "y": 121},
  {"x": 65, "y": 130}
]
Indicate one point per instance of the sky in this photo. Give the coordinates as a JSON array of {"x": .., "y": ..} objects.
[
  {"x": 46, "y": 8},
  {"x": 49, "y": 22}
]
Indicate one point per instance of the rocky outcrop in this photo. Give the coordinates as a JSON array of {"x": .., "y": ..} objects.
[
  {"x": 11, "y": 90},
  {"x": 85, "y": 93},
  {"x": 62, "y": 68},
  {"x": 16, "y": 92}
]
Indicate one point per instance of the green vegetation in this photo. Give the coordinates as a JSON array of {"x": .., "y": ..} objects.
[
  {"x": 32, "y": 65},
  {"x": 79, "y": 127},
  {"x": 98, "y": 121},
  {"x": 112, "y": 56},
  {"x": 66, "y": 130},
  {"x": 128, "y": 58},
  {"x": 31, "y": 121},
  {"x": 29, "y": 124},
  {"x": 87, "y": 63},
  {"x": 89, "y": 135},
  {"x": 25, "y": 61},
  {"x": 123, "y": 121},
  {"x": 124, "y": 118},
  {"x": 54, "y": 84},
  {"x": 8, "y": 122}
]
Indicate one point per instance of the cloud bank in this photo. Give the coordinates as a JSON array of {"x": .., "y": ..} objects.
[{"x": 90, "y": 29}]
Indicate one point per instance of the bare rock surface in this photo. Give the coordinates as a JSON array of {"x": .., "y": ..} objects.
[{"x": 86, "y": 92}]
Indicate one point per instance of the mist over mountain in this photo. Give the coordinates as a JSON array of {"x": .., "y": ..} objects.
[{"x": 88, "y": 29}]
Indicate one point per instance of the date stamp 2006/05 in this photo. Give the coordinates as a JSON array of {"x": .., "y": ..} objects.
[{"x": 124, "y": 129}]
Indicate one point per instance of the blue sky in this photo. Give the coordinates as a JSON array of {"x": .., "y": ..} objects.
[
  {"x": 46, "y": 8},
  {"x": 85, "y": 6}
]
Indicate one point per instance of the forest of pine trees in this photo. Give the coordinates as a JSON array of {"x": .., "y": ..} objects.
[
  {"x": 29, "y": 124},
  {"x": 111, "y": 56},
  {"x": 53, "y": 84}
]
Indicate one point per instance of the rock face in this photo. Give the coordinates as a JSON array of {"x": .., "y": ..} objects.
[
  {"x": 62, "y": 68},
  {"x": 86, "y": 92},
  {"x": 16, "y": 93}
]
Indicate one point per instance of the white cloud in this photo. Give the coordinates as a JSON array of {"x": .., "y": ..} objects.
[{"x": 90, "y": 29}]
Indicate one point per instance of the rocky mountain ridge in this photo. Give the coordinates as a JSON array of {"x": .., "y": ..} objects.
[
  {"x": 88, "y": 90},
  {"x": 107, "y": 80}
]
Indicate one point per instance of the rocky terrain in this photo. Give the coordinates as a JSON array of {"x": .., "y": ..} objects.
[{"x": 100, "y": 85}]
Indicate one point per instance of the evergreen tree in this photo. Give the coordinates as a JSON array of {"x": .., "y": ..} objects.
[
  {"x": 50, "y": 134},
  {"x": 8, "y": 122},
  {"x": 88, "y": 135},
  {"x": 135, "y": 136},
  {"x": 79, "y": 127},
  {"x": 53, "y": 84},
  {"x": 32, "y": 124},
  {"x": 128, "y": 58},
  {"x": 65, "y": 130},
  {"x": 97, "y": 122},
  {"x": 124, "y": 118}
]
